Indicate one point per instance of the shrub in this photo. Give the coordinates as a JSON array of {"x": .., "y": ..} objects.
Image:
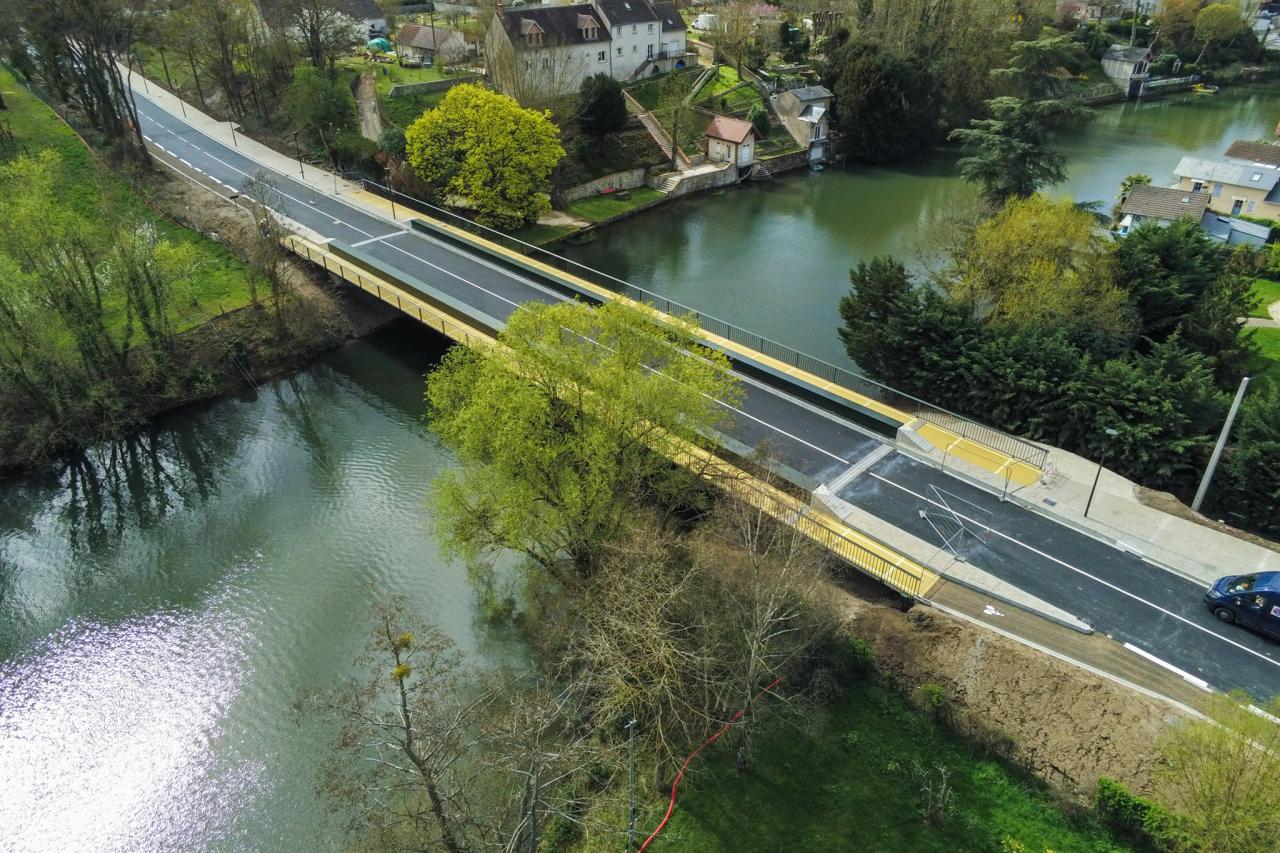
[
  {"x": 932, "y": 699},
  {"x": 391, "y": 142},
  {"x": 1131, "y": 818}
]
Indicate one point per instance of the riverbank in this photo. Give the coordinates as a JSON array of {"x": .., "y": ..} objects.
[{"x": 228, "y": 332}]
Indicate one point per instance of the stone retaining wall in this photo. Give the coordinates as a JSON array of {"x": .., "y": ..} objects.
[
  {"x": 626, "y": 180},
  {"x": 704, "y": 181},
  {"x": 402, "y": 89}
]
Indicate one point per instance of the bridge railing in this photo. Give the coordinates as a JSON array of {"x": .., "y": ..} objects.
[{"x": 1009, "y": 445}]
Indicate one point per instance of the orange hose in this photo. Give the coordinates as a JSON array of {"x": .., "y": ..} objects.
[{"x": 671, "y": 806}]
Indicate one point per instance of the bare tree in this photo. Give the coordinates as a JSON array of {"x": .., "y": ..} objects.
[
  {"x": 535, "y": 78},
  {"x": 432, "y": 754},
  {"x": 323, "y": 31}
]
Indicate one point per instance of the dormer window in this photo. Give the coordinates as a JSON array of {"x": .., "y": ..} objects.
[
  {"x": 588, "y": 27},
  {"x": 531, "y": 31}
]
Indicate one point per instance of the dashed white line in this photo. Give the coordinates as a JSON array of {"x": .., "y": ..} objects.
[
  {"x": 1181, "y": 673},
  {"x": 374, "y": 239},
  {"x": 1082, "y": 572}
]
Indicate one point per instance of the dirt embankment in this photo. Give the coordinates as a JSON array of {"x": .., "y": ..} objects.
[{"x": 1065, "y": 724}]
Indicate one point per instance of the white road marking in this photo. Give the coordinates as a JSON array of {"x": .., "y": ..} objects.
[
  {"x": 752, "y": 417},
  {"x": 1091, "y": 577},
  {"x": 1181, "y": 673},
  {"x": 991, "y": 611},
  {"x": 374, "y": 239}
]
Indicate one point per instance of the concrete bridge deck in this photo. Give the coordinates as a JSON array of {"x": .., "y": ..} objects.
[{"x": 1117, "y": 591}]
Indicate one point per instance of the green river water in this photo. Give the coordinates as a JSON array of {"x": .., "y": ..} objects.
[
  {"x": 163, "y": 604},
  {"x": 774, "y": 257}
]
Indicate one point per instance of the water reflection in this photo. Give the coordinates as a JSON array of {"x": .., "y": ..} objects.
[{"x": 166, "y": 598}]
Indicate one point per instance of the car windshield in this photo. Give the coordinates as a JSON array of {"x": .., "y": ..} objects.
[{"x": 1244, "y": 583}]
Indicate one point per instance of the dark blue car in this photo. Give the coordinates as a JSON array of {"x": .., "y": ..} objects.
[{"x": 1249, "y": 600}]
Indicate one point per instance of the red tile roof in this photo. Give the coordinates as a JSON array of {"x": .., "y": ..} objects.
[{"x": 729, "y": 129}]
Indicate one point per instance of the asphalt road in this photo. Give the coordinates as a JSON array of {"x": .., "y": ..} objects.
[{"x": 1117, "y": 592}]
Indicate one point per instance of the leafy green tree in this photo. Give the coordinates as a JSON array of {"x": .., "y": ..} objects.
[
  {"x": 558, "y": 437},
  {"x": 1247, "y": 484},
  {"x": 1010, "y": 151},
  {"x": 886, "y": 105},
  {"x": 391, "y": 141},
  {"x": 1038, "y": 263},
  {"x": 1217, "y": 23},
  {"x": 318, "y": 106},
  {"x": 758, "y": 115},
  {"x": 487, "y": 149},
  {"x": 1220, "y": 779},
  {"x": 601, "y": 108}
]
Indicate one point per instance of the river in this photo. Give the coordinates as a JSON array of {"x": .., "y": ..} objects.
[
  {"x": 162, "y": 609},
  {"x": 164, "y": 604},
  {"x": 774, "y": 257}
]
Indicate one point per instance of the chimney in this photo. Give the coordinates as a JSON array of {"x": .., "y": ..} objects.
[{"x": 502, "y": 9}]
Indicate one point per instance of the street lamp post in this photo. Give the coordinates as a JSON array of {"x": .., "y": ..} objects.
[
  {"x": 1217, "y": 448},
  {"x": 169, "y": 79},
  {"x": 297, "y": 147},
  {"x": 1097, "y": 475}
]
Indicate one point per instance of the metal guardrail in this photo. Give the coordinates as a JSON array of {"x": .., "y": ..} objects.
[
  {"x": 776, "y": 503},
  {"x": 1009, "y": 445}
]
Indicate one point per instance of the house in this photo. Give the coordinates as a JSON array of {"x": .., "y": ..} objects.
[
  {"x": 420, "y": 45},
  {"x": 647, "y": 37},
  {"x": 1266, "y": 153},
  {"x": 537, "y": 53},
  {"x": 1234, "y": 232},
  {"x": 805, "y": 113},
  {"x": 1233, "y": 188},
  {"x": 1127, "y": 67},
  {"x": 731, "y": 140},
  {"x": 559, "y": 46},
  {"x": 1165, "y": 205}
]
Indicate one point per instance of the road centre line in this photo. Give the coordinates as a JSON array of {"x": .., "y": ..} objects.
[
  {"x": 374, "y": 240},
  {"x": 1091, "y": 577},
  {"x": 1181, "y": 673}
]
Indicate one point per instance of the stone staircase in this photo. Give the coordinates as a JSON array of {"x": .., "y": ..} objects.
[
  {"x": 668, "y": 182},
  {"x": 760, "y": 172},
  {"x": 656, "y": 130}
]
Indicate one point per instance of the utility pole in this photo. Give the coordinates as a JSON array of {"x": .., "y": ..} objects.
[
  {"x": 1133, "y": 29},
  {"x": 631, "y": 783},
  {"x": 1217, "y": 448}
]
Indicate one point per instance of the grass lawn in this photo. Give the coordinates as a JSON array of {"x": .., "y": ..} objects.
[
  {"x": 89, "y": 187},
  {"x": 598, "y": 208},
  {"x": 1266, "y": 292},
  {"x": 852, "y": 781},
  {"x": 726, "y": 78},
  {"x": 1266, "y": 367}
]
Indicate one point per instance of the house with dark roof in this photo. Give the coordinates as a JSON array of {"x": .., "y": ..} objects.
[
  {"x": 805, "y": 112},
  {"x": 420, "y": 45},
  {"x": 540, "y": 52},
  {"x": 1232, "y": 188},
  {"x": 1265, "y": 153},
  {"x": 1164, "y": 205},
  {"x": 731, "y": 140},
  {"x": 1127, "y": 66}
]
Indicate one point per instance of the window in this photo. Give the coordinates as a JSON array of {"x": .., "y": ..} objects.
[
  {"x": 1237, "y": 204},
  {"x": 546, "y": 62},
  {"x": 600, "y": 57},
  {"x": 1196, "y": 186},
  {"x": 634, "y": 29},
  {"x": 649, "y": 52},
  {"x": 651, "y": 28},
  {"x": 619, "y": 51},
  {"x": 635, "y": 48},
  {"x": 817, "y": 131},
  {"x": 617, "y": 31},
  {"x": 1249, "y": 208}
]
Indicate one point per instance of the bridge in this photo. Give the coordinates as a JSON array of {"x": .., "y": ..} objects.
[{"x": 867, "y": 458}]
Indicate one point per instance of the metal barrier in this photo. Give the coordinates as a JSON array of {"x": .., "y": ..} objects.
[
  {"x": 811, "y": 523},
  {"x": 1010, "y": 445}
]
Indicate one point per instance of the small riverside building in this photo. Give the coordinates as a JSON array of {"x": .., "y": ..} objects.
[
  {"x": 417, "y": 44},
  {"x": 731, "y": 140},
  {"x": 1127, "y": 67},
  {"x": 805, "y": 113}
]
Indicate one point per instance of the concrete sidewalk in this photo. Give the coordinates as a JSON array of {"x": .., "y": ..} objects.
[
  {"x": 1117, "y": 516},
  {"x": 1191, "y": 550}
]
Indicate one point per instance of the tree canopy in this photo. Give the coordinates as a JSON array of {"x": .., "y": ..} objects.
[
  {"x": 601, "y": 108},
  {"x": 557, "y": 438},
  {"x": 487, "y": 149},
  {"x": 1010, "y": 152},
  {"x": 886, "y": 105}
]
